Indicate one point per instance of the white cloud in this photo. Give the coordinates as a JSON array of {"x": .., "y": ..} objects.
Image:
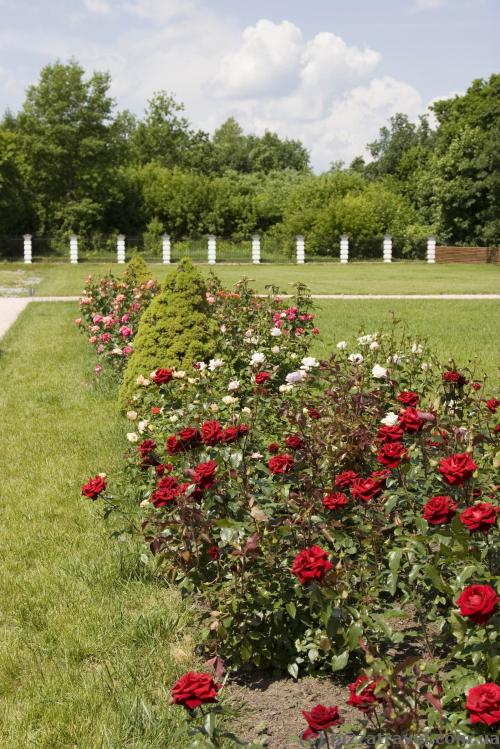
[
  {"x": 101, "y": 7},
  {"x": 267, "y": 61}
]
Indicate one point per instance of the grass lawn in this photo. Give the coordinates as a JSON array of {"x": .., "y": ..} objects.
[
  {"x": 468, "y": 330},
  {"x": 60, "y": 279},
  {"x": 90, "y": 643}
]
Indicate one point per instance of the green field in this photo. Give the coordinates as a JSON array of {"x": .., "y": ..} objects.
[
  {"x": 60, "y": 279},
  {"x": 88, "y": 637},
  {"x": 468, "y": 330}
]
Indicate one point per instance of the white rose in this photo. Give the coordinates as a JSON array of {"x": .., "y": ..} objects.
[
  {"x": 214, "y": 364},
  {"x": 246, "y": 410},
  {"x": 132, "y": 415},
  {"x": 132, "y": 437},
  {"x": 364, "y": 340},
  {"x": 424, "y": 366},
  {"x": 222, "y": 328},
  {"x": 180, "y": 374},
  {"x": 233, "y": 385},
  {"x": 285, "y": 388},
  {"x": 275, "y": 349},
  {"x": 309, "y": 361},
  {"x": 293, "y": 377},
  {"x": 254, "y": 340},
  {"x": 378, "y": 371},
  {"x": 141, "y": 425},
  {"x": 341, "y": 345},
  {"x": 374, "y": 345},
  {"x": 257, "y": 358},
  {"x": 395, "y": 359},
  {"x": 228, "y": 400},
  {"x": 201, "y": 366},
  {"x": 248, "y": 333},
  {"x": 214, "y": 408},
  {"x": 416, "y": 349},
  {"x": 144, "y": 503},
  {"x": 174, "y": 418},
  {"x": 389, "y": 419},
  {"x": 275, "y": 332},
  {"x": 355, "y": 358}
]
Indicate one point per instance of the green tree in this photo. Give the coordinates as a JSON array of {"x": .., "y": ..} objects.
[
  {"x": 71, "y": 147},
  {"x": 16, "y": 213}
]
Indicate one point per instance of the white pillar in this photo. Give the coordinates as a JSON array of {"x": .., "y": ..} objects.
[
  {"x": 344, "y": 248},
  {"x": 120, "y": 249},
  {"x": 301, "y": 247},
  {"x": 27, "y": 249},
  {"x": 73, "y": 249},
  {"x": 166, "y": 249},
  {"x": 431, "y": 250},
  {"x": 387, "y": 249},
  {"x": 256, "y": 249},
  {"x": 212, "y": 249}
]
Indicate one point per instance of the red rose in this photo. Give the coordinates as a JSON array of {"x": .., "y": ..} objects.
[
  {"x": 294, "y": 442},
  {"x": 381, "y": 476},
  {"x": 478, "y": 603},
  {"x": 408, "y": 398},
  {"x": 497, "y": 428},
  {"x": 439, "y": 510},
  {"x": 161, "y": 376},
  {"x": 390, "y": 433},
  {"x": 483, "y": 704},
  {"x": 262, "y": 377},
  {"x": 211, "y": 432},
  {"x": 146, "y": 447},
  {"x": 160, "y": 469},
  {"x": 314, "y": 413},
  {"x": 229, "y": 435},
  {"x": 320, "y": 719},
  {"x": 194, "y": 689},
  {"x": 155, "y": 410},
  {"x": 189, "y": 436},
  {"x": 453, "y": 376},
  {"x": 204, "y": 474},
  {"x": 243, "y": 429},
  {"x": 476, "y": 386},
  {"x": 335, "y": 500},
  {"x": 166, "y": 492},
  {"x": 480, "y": 517},
  {"x": 94, "y": 487},
  {"x": 492, "y": 405},
  {"x": 173, "y": 446},
  {"x": 311, "y": 564},
  {"x": 365, "y": 489},
  {"x": 280, "y": 464},
  {"x": 391, "y": 454},
  {"x": 195, "y": 494},
  {"x": 457, "y": 469},
  {"x": 364, "y": 699},
  {"x": 410, "y": 420},
  {"x": 273, "y": 448},
  {"x": 213, "y": 552},
  {"x": 345, "y": 479}
]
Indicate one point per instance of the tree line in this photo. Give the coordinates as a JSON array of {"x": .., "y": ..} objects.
[{"x": 71, "y": 162}]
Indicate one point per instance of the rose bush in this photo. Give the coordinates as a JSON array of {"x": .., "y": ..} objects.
[
  {"x": 321, "y": 509},
  {"x": 110, "y": 310}
]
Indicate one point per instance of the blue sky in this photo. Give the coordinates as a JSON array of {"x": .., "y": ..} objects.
[{"x": 330, "y": 72}]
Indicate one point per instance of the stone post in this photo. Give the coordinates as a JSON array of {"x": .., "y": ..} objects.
[
  {"x": 344, "y": 248},
  {"x": 120, "y": 249},
  {"x": 301, "y": 247},
  {"x": 387, "y": 249},
  {"x": 27, "y": 249},
  {"x": 212, "y": 249},
  {"x": 256, "y": 249},
  {"x": 166, "y": 246},
  {"x": 73, "y": 249},
  {"x": 431, "y": 250}
]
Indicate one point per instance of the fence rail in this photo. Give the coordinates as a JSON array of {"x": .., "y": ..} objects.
[{"x": 212, "y": 249}]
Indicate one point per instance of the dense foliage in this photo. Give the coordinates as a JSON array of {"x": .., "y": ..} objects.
[
  {"x": 70, "y": 162},
  {"x": 327, "y": 514},
  {"x": 175, "y": 331}
]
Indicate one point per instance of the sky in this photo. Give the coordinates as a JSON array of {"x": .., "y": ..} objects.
[{"x": 329, "y": 72}]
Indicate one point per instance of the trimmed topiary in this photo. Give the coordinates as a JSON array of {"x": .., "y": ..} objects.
[
  {"x": 136, "y": 271},
  {"x": 176, "y": 330}
]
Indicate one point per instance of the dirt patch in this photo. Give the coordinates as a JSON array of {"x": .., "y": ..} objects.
[{"x": 271, "y": 708}]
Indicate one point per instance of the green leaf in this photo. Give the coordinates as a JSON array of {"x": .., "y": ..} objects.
[
  {"x": 291, "y": 609},
  {"x": 395, "y": 559},
  {"x": 339, "y": 662},
  {"x": 293, "y": 670}
]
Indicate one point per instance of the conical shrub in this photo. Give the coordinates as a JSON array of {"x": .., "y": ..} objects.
[{"x": 175, "y": 331}]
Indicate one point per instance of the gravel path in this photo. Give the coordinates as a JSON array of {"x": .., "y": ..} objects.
[{"x": 9, "y": 310}]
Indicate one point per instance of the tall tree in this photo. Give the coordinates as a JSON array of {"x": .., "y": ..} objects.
[{"x": 71, "y": 144}]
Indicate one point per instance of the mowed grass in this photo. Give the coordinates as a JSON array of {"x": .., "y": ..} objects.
[
  {"x": 61, "y": 279},
  {"x": 468, "y": 331},
  {"x": 90, "y": 641}
]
